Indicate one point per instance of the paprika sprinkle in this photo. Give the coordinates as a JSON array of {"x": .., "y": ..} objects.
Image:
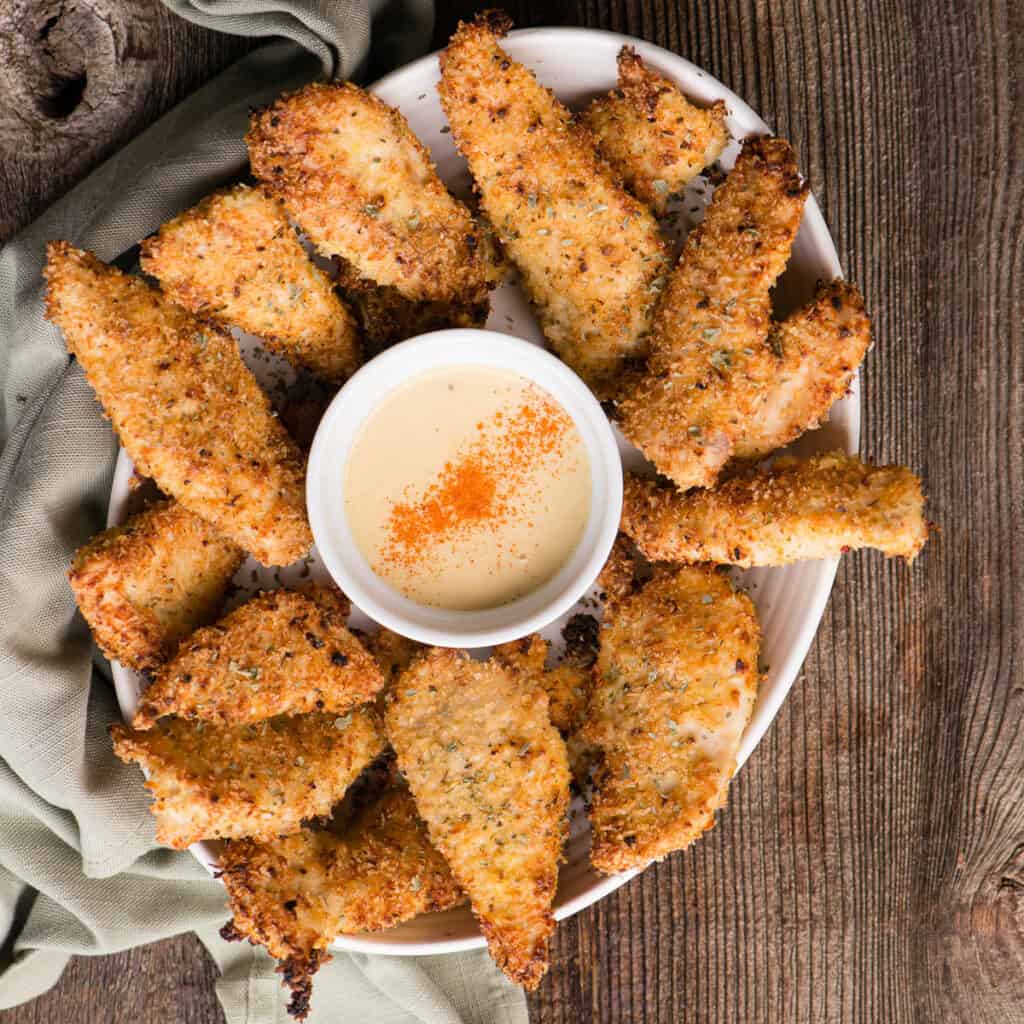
[{"x": 468, "y": 487}]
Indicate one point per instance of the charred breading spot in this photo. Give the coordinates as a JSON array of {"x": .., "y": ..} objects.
[
  {"x": 567, "y": 685},
  {"x": 236, "y": 260},
  {"x": 711, "y": 364},
  {"x": 490, "y": 777},
  {"x": 284, "y": 652},
  {"x": 580, "y": 637},
  {"x": 655, "y": 139},
  {"x": 676, "y": 683},
  {"x": 145, "y": 586},
  {"x": 294, "y": 894},
  {"x": 799, "y": 508},
  {"x": 263, "y": 780},
  {"x": 589, "y": 254},
  {"x": 184, "y": 405},
  {"x": 819, "y": 348},
  {"x": 350, "y": 172}
]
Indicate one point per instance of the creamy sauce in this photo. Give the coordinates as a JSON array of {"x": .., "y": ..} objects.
[{"x": 467, "y": 488}]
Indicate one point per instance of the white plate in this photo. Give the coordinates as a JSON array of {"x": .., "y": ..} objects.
[{"x": 579, "y": 64}]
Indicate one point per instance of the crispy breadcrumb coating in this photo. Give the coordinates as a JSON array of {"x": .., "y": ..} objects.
[
  {"x": 653, "y": 137},
  {"x": 236, "y": 260},
  {"x": 490, "y": 777},
  {"x": 394, "y": 653},
  {"x": 145, "y": 586},
  {"x": 820, "y": 347},
  {"x": 711, "y": 364},
  {"x": 357, "y": 181},
  {"x": 799, "y": 508},
  {"x": 589, "y": 254},
  {"x": 294, "y": 894},
  {"x": 283, "y": 652},
  {"x": 261, "y": 780},
  {"x": 677, "y": 679},
  {"x": 387, "y": 317},
  {"x": 567, "y": 685},
  {"x": 185, "y": 406}
]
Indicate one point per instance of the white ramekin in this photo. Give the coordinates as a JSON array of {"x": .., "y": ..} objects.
[{"x": 325, "y": 485}]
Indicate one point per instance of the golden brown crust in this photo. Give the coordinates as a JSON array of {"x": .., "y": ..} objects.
[
  {"x": 820, "y": 347},
  {"x": 386, "y": 317},
  {"x": 653, "y": 137},
  {"x": 490, "y": 777},
  {"x": 589, "y": 255},
  {"x": 394, "y": 653},
  {"x": 294, "y": 894},
  {"x": 799, "y": 508},
  {"x": 711, "y": 364},
  {"x": 284, "y": 652},
  {"x": 358, "y": 182},
  {"x": 676, "y": 683},
  {"x": 146, "y": 585},
  {"x": 186, "y": 408},
  {"x": 236, "y": 260},
  {"x": 261, "y": 781},
  {"x": 567, "y": 685}
]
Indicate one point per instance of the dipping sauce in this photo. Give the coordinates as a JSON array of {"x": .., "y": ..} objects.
[{"x": 467, "y": 487}]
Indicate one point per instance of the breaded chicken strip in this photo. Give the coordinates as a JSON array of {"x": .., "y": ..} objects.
[
  {"x": 357, "y": 181},
  {"x": 185, "y": 406},
  {"x": 145, "y": 586},
  {"x": 677, "y": 679},
  {"x": 820, "y": 348},
  {"x": 490, "y": 777},
  {"x": 236, "y": 260},
  {"x": 293, "y": 895},
  {"x": 567, "y": 685},
  {"x": 589, "y": 255},
  {"x": 799, "y": 508},
  {"x": 394, "y": 653},
  {"x": 653, "y": 137},
  {"x": 262, "y": 780},
  {"x": 284, "y": 652},
  {"x": 711, "y": 364},
  {"x": 387, "y": 317}
]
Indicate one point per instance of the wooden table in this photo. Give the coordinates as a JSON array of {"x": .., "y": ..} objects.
[{"x": 870, "y": 866}]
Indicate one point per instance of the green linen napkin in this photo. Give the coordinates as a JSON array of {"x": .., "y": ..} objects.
[{"x": 80, "y": 871}]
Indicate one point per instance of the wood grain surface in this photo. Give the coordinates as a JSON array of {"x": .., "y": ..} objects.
[{"x": 870, "y": 866}]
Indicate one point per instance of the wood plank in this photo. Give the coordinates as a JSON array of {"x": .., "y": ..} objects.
[{"x": 870, "y": 866}]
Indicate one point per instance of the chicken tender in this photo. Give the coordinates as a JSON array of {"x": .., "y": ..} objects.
[
  {"x": 294, "y": 894},
  {"x": 711, "y": 364},
  {"x": 653, "y": 137},
  {"x": 261, "y": 781},
  {"x": 799, "y": 508},
  {"x": 567, "y": 685},
  {"x": 284, "y": 652},
  {"x": 386, "y": 317},
  {"x": 236, "y": 260},
  {"x": 145, "y": 586},
  {"x": 394, "y": 653},
  {"x": 589, "y": 254},
  {"x": 490, "y": 777},
  {"x": 185, "y": 406},
  {"x": 361, "y": 186},
  {"x": 820, "y": 347},
  {"x": 676, "y": 683}
]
